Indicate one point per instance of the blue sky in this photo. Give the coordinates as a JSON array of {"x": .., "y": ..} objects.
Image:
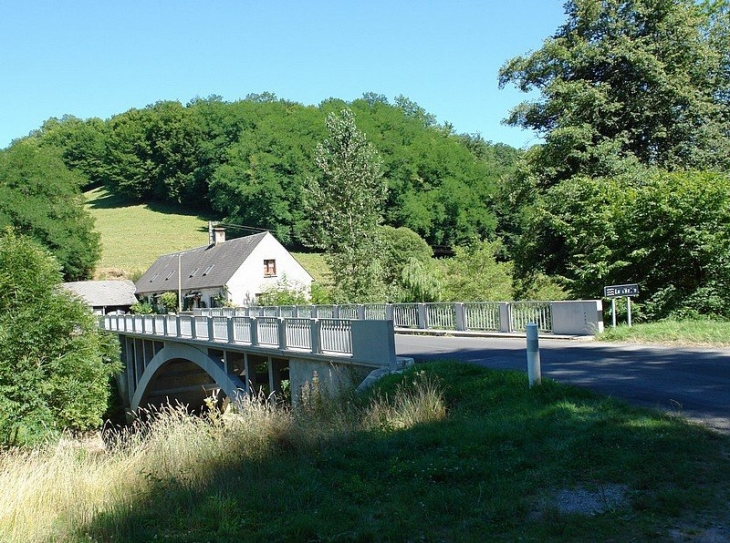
[{"x": 97, "y": 58}]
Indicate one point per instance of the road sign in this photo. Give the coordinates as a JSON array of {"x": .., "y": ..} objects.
[{"x": 617, "y": 291}]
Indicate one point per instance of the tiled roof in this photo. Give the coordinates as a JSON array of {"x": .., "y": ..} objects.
[
  {"x": 104, "y": 293},
  {"x": 210, "y": 266}
]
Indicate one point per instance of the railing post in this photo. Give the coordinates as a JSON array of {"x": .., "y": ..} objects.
[
  {"x": 389, "y": 314},
  {"x": 336, "y": 312},
  {"x": 178, "y": 325},
  {"x": 230, "y": 330},
  {"x": 361, "y": 312},
  {"x": 316, "y": 336},
  {"x": 422, "y": 317},
  {"x": 505, "y": 317},
  {"x": 459, "y": 320},
  {"x": 282, "y": 332},
  {"x": 254, "y": 332},
  {"x": 211, "y": 331}
]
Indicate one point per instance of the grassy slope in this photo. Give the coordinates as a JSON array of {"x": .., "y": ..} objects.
[{"x": 134, "y": 235}]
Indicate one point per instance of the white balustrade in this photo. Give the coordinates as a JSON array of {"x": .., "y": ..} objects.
[
  {"x": 524, "y": 313},
  {"x": 268, "y": 331},
  {"x": 482, "y": 316},
  {"x": 336, "y": 336},
  {"x": 298, "y": 333}
]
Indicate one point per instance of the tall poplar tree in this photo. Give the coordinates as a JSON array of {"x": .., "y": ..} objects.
[{"x": 345, "y": 206}]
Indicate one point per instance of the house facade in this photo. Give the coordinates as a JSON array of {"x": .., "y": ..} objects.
[{"x": 226, "y": 272}]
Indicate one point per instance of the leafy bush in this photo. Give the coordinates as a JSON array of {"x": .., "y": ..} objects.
[
  {"x": 284, "y": 292},
  {"x": 55, "y": 362},
  {"x": 475, "y": 274}
]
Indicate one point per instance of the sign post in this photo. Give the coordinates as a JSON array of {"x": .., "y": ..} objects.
[{"x": 620, "y": 291}]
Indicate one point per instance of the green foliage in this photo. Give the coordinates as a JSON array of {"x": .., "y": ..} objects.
[
  {"x": 248, "y": 161},
  {"x": 441, "y": 185},
  {"x": 168, "y": 302},
  {"x": 284, "y": 292},
  {"x": 40, "y": 197},
  {"x": 345, "y": 205},
  {"x": 420, "y": 281},
  {"x": 409, "y": 270},
  {"x": 625, "y": 82},
  {"x": 475, "y": 274},
  {"x": 55, "y": 363},
  {"x": 669, "y": 232},
  {"x": 82, "y": 144},
  {"x": 142, "y": 307}
]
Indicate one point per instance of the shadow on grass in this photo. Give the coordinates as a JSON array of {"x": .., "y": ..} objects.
[{"x": 491, "y": 470}]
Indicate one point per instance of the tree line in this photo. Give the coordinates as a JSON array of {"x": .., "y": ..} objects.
[{"x": 247, "y": 161}]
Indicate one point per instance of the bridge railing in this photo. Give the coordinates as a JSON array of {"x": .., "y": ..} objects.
[
  {"x": 366, "y": 341},
  {"x": 581, "y": 317}
]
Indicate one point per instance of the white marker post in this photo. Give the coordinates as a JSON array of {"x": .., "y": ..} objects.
[{"x": 533, "y": 355}]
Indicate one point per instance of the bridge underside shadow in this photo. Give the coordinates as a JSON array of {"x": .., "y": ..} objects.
[{"x": 159, "y": 373}]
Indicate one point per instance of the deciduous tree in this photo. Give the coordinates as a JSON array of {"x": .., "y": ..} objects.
[
  {"x": 55, "y": 363},
  {"x": 624, "y": 82},
  {"x": 345, "y": 207},
  {"x": 41, "y": 198}
]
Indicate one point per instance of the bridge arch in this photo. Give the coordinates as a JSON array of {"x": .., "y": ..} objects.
[{"x": 229, "y": 384}]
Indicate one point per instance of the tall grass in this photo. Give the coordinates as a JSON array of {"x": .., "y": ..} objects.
[
  {"x": 58, "y": 492},
  {"x": 444, "y": 452}
]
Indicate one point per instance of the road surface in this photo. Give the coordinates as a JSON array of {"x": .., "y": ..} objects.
[{"x": 691, "y": 382}]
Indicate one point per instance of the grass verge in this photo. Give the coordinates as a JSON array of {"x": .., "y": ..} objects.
[
  {"x": 445, "y": 452},
  {"x": 706, "y": 333}
]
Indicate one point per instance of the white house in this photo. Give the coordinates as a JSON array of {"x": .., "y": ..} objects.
[{"x": 230, "y": 272}]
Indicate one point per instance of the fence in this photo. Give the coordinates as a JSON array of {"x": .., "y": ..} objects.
[
  {"x": 469, "y": 316},
  {"x": 579, "y": 317}
]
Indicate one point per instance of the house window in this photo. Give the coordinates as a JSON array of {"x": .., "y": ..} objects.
[{"x": 269, "y": 268}]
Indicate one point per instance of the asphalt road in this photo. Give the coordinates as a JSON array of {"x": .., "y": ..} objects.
[{"x": 691, "y": 382}]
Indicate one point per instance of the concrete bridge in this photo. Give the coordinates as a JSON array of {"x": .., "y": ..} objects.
[{"x": 189, "y": 358}]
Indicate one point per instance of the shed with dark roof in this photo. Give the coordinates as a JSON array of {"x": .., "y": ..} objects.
[{"x": 104, "y": 296}]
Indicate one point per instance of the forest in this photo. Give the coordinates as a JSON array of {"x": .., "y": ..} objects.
[{"x": 629, "y": 185}]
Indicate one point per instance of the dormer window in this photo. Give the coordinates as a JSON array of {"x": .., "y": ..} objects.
[{"x": 269, "y": 268}]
